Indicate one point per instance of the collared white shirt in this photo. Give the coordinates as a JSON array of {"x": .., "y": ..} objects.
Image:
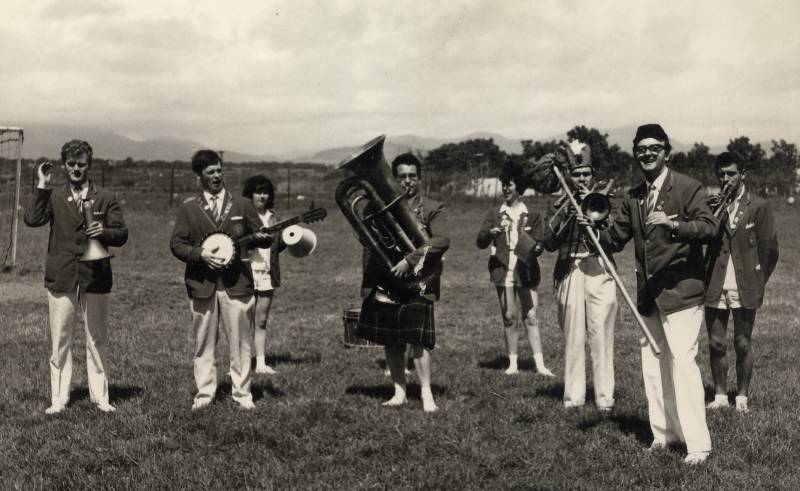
[
  {"x": 729, "y": 283},
  {"x": 219, "y": 196},
  {"x": 658, "y": 184},
  {"x": 80, "y": 195}
]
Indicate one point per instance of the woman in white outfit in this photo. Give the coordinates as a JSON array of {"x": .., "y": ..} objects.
[{"x": 265, "y": 265}]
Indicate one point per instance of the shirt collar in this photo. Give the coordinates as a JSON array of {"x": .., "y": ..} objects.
[
  {"x": 208, "y": 196},
  {"x": 659, "y": 182},
  {"x": 80, "y": 191}
]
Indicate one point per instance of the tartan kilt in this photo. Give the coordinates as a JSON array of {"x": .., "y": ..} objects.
[{"x": 397, "y": 324}]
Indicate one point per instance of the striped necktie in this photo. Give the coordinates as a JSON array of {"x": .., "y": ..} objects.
[
  {"x": 651, "y": 199},
  {"x": 215, "y": 207}
]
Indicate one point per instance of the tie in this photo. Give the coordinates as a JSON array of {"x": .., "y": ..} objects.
[
  {"x": 77, "y": 193},
  {"x": 215, "y": 207},
  {"x": 651, "y": 199}
]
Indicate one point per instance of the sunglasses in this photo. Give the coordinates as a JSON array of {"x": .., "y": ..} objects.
[{"x": 643, "y": 149}]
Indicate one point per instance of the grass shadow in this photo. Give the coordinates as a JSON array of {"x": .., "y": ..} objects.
[
  {"x": 258, "y": 389},
  {"x": 553, "y": 391},
  {"x": 500, "y": 362},
  {"x": 116, "y": 393},
  {"x": 287, "y": 358},
  {"x": 630, "y": 425},
  {"x": 386, "y": 391}
]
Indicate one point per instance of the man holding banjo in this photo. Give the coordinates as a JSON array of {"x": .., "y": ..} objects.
[{"x": 220, "y": 286}]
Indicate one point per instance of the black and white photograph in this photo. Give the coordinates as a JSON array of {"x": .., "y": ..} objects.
[{"x": 399, "y": 245}]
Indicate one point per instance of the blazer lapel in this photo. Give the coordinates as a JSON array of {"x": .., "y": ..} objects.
[
  {"x": 69, "y": 202},
  {"x": 205, "y": 208},
  {"x": 639, "y": 196},
  {"x": 663, "y": 197},
  {"x": 744, "y": 204}
]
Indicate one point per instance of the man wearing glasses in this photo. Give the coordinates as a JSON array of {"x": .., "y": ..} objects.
[
  {"x": 74, "y": 285},
  {"x": 669, "y": 219},
  {"x": 587, "y": 295},
  {"x": 738, "y": 264}
]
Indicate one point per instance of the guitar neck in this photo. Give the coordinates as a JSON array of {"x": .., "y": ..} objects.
[{"x": 282, "y": 224}]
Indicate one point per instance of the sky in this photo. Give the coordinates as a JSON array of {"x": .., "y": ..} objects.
[{"x": 275, "y": 77}]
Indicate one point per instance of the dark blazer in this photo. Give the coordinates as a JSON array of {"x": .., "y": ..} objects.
[
  {"x": 67, "y": 241},
  {"x": 373, "y": 269},
  {"x": 563, "y": 234},
  {"x": 194, "y": 223},
  {"x": 531, "y": 235},
  {"x": 669, "y": 266},
  {"x": 754, "y": 246}
]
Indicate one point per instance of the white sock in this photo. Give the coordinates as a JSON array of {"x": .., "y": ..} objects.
[
  {"x": 538, "y": 358},
  {"x": 741, "y": 399},
  {"x": 261, "y": 360},
  {"x": 512, "y": 361}
]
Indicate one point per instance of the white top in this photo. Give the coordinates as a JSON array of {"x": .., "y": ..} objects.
[
  {"x": 730, "y": 271},
  {"x": 259, "y": 258},
  {"x": 510, "y": 224}
]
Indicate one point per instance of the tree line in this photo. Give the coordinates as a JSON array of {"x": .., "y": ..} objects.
[{"x": 451, "y": 164}]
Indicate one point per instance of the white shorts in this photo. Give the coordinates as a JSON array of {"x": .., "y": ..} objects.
[
  {"x": 262, "y": 281},
  {"x": 728, "y": 300}
]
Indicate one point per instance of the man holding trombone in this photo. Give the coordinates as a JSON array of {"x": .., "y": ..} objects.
[
  {"x": 587, "y": 295},
  {"x": 668, "y": 217}
]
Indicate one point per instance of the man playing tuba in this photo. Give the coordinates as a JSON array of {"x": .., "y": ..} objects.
[{"x": 393, "y": 315}]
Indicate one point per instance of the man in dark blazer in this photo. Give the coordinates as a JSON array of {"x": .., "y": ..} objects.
[
  {"x": 420, "y": 332},
  {"x": 669, "y": 220},
  {"x": 73, "y": 284},
  {"x": 219, "y": 292},
  {"x": 739, "y": 263}
]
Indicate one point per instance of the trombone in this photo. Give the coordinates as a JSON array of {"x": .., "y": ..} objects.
[{"x": 593, "y": 236}]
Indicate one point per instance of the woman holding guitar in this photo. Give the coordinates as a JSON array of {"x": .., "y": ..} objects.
[{"x": 264, "y": 263}]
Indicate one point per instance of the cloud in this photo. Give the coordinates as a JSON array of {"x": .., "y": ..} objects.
[{"x": 282, "y": 75}]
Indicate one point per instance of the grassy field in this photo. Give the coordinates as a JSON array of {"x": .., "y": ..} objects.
[{"x": 319, "y": 424}]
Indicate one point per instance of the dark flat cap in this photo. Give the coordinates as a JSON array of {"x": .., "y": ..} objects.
[{"x": 650, "y": 130}]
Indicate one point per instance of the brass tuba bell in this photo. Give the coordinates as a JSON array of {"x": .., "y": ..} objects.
[
  {"x": 94, "y": 249},
  {"x": 377, "y": 209}
]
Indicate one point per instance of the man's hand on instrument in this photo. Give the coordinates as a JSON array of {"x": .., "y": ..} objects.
[
  {"x": 211, "y": 259},
  {"x": 95, "y": 230},
  {"x": 658, "y": 218},
  {"x": 43, "y": 175},
  {"x": 402, "y": 269},
  {"x": 584, "y": 221},
  {"x": 495, "y": 231}
]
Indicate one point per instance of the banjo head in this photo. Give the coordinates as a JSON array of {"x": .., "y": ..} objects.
[{"x": 224, "y": 245}]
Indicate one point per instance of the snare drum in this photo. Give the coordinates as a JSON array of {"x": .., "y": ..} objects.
[{"x": 351, "y": 340}]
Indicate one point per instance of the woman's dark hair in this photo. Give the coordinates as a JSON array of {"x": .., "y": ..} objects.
[
  {"x": 512, "y": 172},
  {"x": 261, "y": 183}
]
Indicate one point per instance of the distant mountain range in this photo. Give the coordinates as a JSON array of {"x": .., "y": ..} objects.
[{"x": 45, "y": 140}]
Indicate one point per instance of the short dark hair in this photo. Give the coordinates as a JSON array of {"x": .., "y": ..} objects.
[
  {"x": 76, "y": 148},
  {"x": 407, "y": 159},
  {"x": 256, "y": 183},
  {"x": 204, "y": 158},
  {"x": 512, "y": 172},
  {"x": 729, "y": 158}
]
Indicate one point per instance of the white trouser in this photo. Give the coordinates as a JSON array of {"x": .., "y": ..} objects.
[
  {"x": 236, "y": 314},
  {"x": 63, "y": 307},
  {"x": 587, "y": 303},
  {"x": 672, "y": 381}
]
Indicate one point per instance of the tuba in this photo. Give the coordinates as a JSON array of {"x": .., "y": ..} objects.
[{"x": 377, "y": 209}]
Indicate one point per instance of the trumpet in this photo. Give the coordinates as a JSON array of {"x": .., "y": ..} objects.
[{"x": 719, "y": 202}]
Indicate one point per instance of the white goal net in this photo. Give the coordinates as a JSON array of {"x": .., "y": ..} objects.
[{"x": 10, "y": 176}]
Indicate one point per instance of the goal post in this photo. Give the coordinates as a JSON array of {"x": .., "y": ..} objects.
[{"x": 10, "y": 188}]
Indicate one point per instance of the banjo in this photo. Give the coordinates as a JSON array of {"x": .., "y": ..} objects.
[{"x": 227, "y": 248}]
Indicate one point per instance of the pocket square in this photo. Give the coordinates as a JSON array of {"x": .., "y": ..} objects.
[{"x": 750, "y": 225}]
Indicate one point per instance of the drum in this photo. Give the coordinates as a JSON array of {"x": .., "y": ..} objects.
[
  {"x": 351, "y": 340},
  {"x": 224, "y": 245}
]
